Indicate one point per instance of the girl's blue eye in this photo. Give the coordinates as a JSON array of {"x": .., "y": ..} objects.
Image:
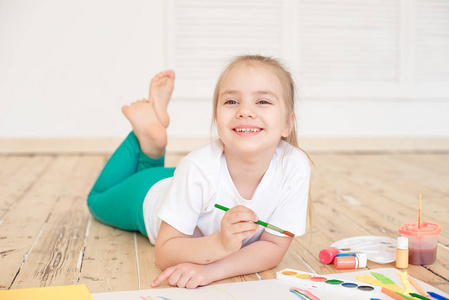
[
  {"x": 231, "y": 102},
  {"x": 263, "y": 102}
]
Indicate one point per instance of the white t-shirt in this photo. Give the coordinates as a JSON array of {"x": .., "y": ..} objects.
[{"x": 202, "y": 179}]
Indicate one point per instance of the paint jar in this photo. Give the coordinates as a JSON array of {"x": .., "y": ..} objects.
[
  {"x": 327, "y": 255},
  {"x": 350, "y": 262},
  {"x": 402, "y": 253},
  {"x": 422, "y": 242}
]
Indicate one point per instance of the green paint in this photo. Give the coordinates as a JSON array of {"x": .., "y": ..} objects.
[{"x": 334, "y": 281}]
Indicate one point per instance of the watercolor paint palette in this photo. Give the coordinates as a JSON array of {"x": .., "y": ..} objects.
[{"x": 324, "y": 282}]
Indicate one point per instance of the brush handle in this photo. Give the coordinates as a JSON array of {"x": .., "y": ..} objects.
[
  {"x": 264, "y": 224},
  {"x": 258, "y": 222},
  {"x": 221, "y": 207}
]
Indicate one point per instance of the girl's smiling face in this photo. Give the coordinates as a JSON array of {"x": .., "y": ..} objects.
[{"x": 251, "y": 112}]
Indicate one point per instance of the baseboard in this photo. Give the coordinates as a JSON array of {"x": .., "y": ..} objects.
[{"x": 185, "y": 145}]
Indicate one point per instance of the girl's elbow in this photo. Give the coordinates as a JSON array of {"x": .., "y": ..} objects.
[
  {"x": 278, "y": 257},
  {"x": 161, "y": 263},
  {"x": 277, "y": 260},
  {"x": 272, "y": 260},
  {"x": 161, "y": 259}
]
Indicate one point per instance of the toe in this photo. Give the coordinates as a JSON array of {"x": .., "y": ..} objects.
[{"x": 171, "y": 73}]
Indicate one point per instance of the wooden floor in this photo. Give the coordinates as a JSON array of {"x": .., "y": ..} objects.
[{"x": 47, "y": 236}]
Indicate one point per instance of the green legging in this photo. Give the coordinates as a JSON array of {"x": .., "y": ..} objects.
[{"x": 117, "y": 196}]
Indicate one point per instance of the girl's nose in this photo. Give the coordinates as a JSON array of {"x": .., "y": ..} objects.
[{"x": 245, "y": 112}]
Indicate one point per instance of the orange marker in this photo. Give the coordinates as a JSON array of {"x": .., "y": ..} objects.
[
  {"x": 416, "y": 285},
  {"x": 391, "y": 294}
]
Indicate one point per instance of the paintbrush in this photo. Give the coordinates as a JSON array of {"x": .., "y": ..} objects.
[
  {"x": 419, "y": 212},
  {"x": 264, "y": 224}
]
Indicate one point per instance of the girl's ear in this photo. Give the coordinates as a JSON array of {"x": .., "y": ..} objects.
[{"x": 290, "y": 121}]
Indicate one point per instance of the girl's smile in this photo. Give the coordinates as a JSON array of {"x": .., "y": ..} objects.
[{"x": 247, "y": 130}]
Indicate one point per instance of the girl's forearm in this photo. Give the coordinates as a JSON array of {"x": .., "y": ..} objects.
[
  {"x": 203, "y": 250},
  {"x": 257, "y": 257}
]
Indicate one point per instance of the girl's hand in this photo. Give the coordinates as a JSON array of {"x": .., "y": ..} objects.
[
  {"x": 186, "y": 275},
  {"x": 237, "y": 224}
]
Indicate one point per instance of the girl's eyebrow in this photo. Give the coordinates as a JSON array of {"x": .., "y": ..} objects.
[
  {"x": 266, "y": 93},
  {"x": 235, "y": 92},
  {"x": 229, "y": 92}
]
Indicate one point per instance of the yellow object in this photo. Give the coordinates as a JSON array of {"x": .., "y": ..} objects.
[
  {"x": 368, "y": 279},
  {"x": 68, "y": 292},
  {"x": 289, "y": 273},
  {"x": 304, "y": 276},
  {"x": 405, "y": 283},
  {"x": 402, "y": 253}
]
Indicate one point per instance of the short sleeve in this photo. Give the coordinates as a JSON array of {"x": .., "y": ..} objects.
[
  {"x": 184, "y": 201},
  {"x": 291, "y": 212}
]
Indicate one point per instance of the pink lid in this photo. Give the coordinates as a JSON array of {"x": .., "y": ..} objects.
[
  {"x": 426, "y": 229},
  {"x": 327, "y": 255}
]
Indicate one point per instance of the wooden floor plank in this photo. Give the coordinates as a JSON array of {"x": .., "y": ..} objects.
[
  {"x": 21, "y": 227},
  {"x": 148, "y": 269},
  {"x": 109, "y": 262},
  {"x": 405, "y": 171},
  {"x": 17, "y": 182},
  {"x": 54, "y": 258},
  {"x": 438, "y": 163},
  {"x": 433, "y": 178},
  {"x": 11, "y": 164}
]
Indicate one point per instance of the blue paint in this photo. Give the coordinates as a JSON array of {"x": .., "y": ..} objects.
[{"x": 346, "y": 254}]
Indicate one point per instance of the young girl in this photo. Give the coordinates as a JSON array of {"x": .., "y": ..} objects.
[{"x": 255, "y": 168}]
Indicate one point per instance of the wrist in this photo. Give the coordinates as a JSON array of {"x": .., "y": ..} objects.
[
  {"x": 226, "y": 246},
  {"x": 214, "y": 273}
]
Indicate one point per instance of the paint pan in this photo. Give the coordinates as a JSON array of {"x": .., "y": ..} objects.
[{"x": 313, "y": 281}]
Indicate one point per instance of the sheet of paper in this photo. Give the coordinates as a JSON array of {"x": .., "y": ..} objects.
[
  {"x": 261, "y": 289},
  {"x": 67, "y": 292}
]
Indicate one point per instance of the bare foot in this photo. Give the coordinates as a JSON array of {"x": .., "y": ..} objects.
[
  {"x": 150, "y": 132},
  {"x": 161, "y": 88}
]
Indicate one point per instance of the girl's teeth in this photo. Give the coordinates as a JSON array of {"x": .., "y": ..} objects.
[{"x": 247, "y": 129}]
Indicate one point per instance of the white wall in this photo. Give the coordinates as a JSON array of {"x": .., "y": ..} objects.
[{"x": 67, "y": 67}]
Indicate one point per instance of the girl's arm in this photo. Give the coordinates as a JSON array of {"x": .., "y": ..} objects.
[
  {"x": 264, "y": 254},
  {"x": 174, "y": 247}
]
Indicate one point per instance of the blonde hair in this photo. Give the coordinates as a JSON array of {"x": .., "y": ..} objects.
[{"x": 288, "y": 87}]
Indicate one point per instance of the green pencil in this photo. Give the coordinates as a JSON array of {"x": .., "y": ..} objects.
[
  {"x": 418, "y": 296},
  {"x": 404, "y": 296},
  {"x": 265, "y": 224}
]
